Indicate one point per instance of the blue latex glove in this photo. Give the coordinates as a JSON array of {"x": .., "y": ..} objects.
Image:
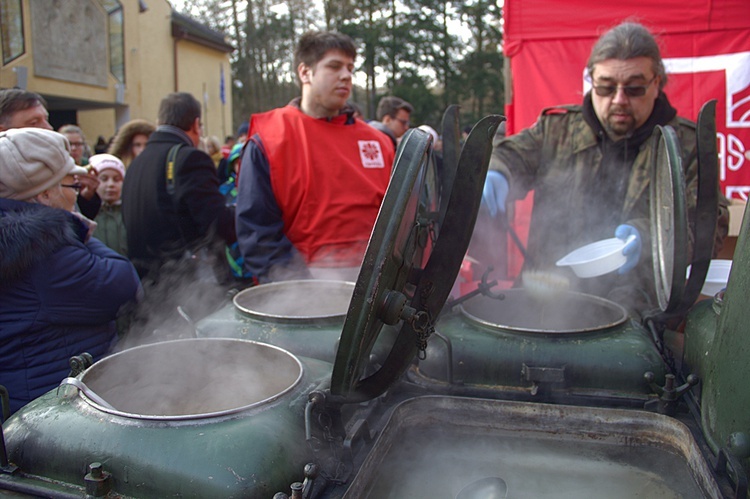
[
  {"x": 495, "y": 192},
  {"x": 632, "y": 249}
]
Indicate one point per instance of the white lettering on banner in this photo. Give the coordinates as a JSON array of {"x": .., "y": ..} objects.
[
  {"x": 371, "y": 154},
  {"x": 737, "y": 192},
  {"x": 737, "y": 69},
  {"x": 732, "y": 154}
]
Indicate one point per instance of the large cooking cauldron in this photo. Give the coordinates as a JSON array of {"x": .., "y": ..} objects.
[
  {"x": 538, "y": 346},
  {"x": 304, "y": 317},
  {"x": 189, "y": 418},
  {"x": 190, "y": 379},
  {"x": 565, "y": 312},
  {"x": 447, "y": 446},
  {"x": 292, "y": 302}
]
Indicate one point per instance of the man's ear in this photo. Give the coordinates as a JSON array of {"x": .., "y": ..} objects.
[{"x": 304, "y": 72}]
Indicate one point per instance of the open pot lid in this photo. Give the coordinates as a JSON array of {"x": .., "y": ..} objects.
[
  {"x": 404, "y": 281},
  {"x": 668, "y": 219},
  {"x": 669, "y": 225}
]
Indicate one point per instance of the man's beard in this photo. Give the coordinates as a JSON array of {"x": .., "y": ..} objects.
[{"x": 619, "y": 130}]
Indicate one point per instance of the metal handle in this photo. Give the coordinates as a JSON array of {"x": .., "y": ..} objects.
[{"x": 87, "y": 391}]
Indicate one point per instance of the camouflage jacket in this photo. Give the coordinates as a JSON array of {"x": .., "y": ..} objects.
[{"x": 559, "y": 157}]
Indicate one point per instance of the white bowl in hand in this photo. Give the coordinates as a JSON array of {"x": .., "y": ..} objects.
[{"x": 595, "y": 259}]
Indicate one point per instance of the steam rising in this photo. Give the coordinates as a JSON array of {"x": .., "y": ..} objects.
[
  {"x": 307, "y": 299},
  {"x": 184, "y": 286},
  {"x": 430, "y": 463},
  {"x": 197, "y": 376},
  {"x": 544, "y": 285},
  {"x": 569, "y": 312}
]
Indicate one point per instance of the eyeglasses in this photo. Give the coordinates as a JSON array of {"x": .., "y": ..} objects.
[
  {"x": 630, "y": 90},
  {"x": 404, "y": 122},
  {"x": 77, "y": 144},
  {"x": 76, "y": 187}
]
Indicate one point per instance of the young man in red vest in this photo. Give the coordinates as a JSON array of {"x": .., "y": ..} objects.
[{"x": 312, "y": 177}]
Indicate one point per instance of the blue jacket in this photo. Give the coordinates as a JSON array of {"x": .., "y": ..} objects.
[{"x": 58, "y": 297}]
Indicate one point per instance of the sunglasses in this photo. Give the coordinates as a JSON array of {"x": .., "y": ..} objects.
[
  {"x": 76, "y": 187},
  {"x": 630, "y": 90}
]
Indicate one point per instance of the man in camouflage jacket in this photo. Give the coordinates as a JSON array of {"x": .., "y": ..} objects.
[{"x": 590, "y": 167}]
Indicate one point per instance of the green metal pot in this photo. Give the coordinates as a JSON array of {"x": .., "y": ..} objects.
[
  {"x": 188, "y": 418},
  {"x": 535, "y": 346},
  {"x": 304, "y": 317}
]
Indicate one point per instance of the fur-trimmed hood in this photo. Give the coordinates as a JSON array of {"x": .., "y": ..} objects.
[
  {"x": 124, "y": 139},
  {"x": 30, "y": 233}
]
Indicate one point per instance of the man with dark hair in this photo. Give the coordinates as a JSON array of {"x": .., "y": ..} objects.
[
  {"x": 171, "y": 202},
  {"x": 393, "y": 115},
  {"x": 312, "y": 176},
  {"x": 590, "y": 166},
  {"x": 22, "y": 109}
]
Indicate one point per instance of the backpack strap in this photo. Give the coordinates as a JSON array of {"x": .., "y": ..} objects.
[{"x": 170, "y": 164}]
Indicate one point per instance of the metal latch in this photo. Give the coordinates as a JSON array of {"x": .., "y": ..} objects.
[{"x": 540, "y": 375}]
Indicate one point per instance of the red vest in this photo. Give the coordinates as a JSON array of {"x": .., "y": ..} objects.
[{"x": 328, "y": 178}]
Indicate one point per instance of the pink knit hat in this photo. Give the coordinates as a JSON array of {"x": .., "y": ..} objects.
[{"x": 103, "y": 161}]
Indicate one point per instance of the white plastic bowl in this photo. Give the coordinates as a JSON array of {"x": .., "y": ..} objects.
[
  {"x": 595, "y": 259},
  {"x": 716, "y": 277}
]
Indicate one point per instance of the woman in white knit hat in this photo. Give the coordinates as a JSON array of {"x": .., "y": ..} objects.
[{"x": 60, "y": 289}]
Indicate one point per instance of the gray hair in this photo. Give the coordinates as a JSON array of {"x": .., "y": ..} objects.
[
  {"x": 627, "y": 41},
  {"x": 65, "y": 129}
]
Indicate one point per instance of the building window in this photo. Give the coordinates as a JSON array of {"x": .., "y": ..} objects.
[
  {"x": 11, "y": 29},
  {"x": 116, "y": 39}
]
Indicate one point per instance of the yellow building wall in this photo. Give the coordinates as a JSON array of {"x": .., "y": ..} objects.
[
  {"x": 199, "y": 73},
  {"x": 152, "y": 58}
]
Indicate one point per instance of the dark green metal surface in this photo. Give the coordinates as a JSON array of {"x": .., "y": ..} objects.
[
  {"x": 725, "y": 397},
  {"x": 497, "y": 357},
  {"x": 707, "y": 206},
  {"x": 701, "y": 325},
  {"x": 451, "y": 137}
]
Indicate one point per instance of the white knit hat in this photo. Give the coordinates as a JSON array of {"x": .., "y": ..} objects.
[
  {"x": 32, "y": 160},
  {"x": 103, "y": 161}
]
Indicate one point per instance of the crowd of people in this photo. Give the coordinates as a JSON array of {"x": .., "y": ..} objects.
[{"x": 165, "y": 218}]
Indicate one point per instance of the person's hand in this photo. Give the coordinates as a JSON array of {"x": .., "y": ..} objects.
[
  {"x": 89, "y": 184},
  {"x": 90, "y": 225},
  {"x": 632, "y": 248},
  {"x": 495, "y": 192}
]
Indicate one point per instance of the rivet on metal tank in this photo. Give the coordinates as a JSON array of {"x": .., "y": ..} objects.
[{"x": 98, "y": 481}]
